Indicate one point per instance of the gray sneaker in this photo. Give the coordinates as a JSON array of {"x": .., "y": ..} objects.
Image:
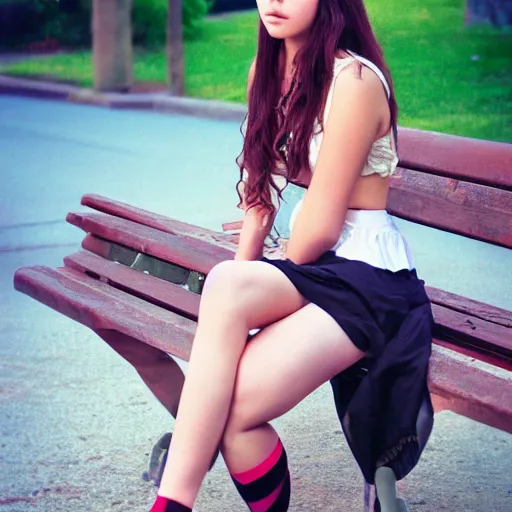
[{"x": 157, "y": 460}]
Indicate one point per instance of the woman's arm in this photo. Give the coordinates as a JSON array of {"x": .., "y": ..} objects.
[
  {"x": 355, "y": 119},
  {"x": 255, "y": 229}
]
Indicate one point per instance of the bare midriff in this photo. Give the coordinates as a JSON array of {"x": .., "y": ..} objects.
[{"x": 370, "y": 192}]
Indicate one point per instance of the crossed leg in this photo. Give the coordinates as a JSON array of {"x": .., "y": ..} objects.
[
  {"x": 280, "y": 367},
  {"x": 238, "y": 296}
]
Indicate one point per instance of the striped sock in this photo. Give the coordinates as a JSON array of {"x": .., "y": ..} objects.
[
  {"x": 166, "y": 505},
  {"x": 266, "y": 488}
]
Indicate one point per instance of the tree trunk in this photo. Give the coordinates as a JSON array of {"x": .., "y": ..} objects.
[
  {"x": 112, "y": 45},
  {"x": 174, "y": 49}
]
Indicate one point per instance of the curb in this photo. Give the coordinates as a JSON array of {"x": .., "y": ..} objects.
[
  {"x": 156, "y": 102},
  {"x": 34, "y": 88}
]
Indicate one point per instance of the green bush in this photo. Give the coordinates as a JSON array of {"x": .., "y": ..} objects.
[
  {"x": 76, "y": 16},
  {"x": 193, "y": 13},
  {"x": 150, "y": 19},
  {"x": 69, "y": 21},
  {"x": 50, "y": 19},
  {"x": 149, "y": 22}
]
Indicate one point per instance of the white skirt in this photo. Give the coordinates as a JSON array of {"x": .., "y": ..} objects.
[{"x": 371, "y": 236}]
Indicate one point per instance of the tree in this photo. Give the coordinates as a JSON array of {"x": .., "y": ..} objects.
[
  {"x": 112, "y": 45},
  {"x": 174, "y": 48}
]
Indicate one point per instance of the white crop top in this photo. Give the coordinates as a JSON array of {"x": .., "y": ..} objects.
[{"x": 382, "y": 158}]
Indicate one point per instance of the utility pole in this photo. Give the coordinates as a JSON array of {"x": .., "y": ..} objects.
[
  {"x": 112, "y": 45},
  {"x": 174, "y": 49}
]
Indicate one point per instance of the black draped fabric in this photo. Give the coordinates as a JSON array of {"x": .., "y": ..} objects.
[{"x": 382, "y": 402}]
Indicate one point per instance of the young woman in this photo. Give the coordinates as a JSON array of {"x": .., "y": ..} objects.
[{"x": 344, "y": 304}]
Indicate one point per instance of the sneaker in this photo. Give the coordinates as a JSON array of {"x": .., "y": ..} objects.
[{"x": 157, "y": 460}]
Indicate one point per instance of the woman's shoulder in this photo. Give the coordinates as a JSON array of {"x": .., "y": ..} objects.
[
  {"x": 353, "y": 77},
  {"x": 355, "y": 73},
  {"x": 357, "y": 89},
  {"x": 362, "y": 66}
]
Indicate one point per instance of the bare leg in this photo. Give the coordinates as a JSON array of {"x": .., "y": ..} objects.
[
  {"x": 263, "y": 392},
  {"x": 161, "y": 374},
  {"x": 238, "y": 296}
]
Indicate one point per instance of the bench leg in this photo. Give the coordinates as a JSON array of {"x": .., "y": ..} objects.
[
  {"x": 161, "y": 374},
  {"x": 439, "y": 403},
  {"x": 164, "y": 378}
]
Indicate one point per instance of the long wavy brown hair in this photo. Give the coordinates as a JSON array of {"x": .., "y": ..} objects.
[{"x": 339, "y": 25}]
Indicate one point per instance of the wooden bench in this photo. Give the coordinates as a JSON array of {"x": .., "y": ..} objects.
[{"x": 141, "y": 274}]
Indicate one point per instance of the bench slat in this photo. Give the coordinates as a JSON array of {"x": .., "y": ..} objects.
[
  {"x": 187, "y": 252},
  {"x": 151, "y": 289},
  {"x": 469, "y": 350},
  {"x": 155, "y": 267},
  {"x": 471, "y": 307},
  {"x": 154, "y": 220},
  {"x": 100, "y": 306},
  {"x": 96, "y": 245},
  {"x": 471, "y": 210},
  {"x": 480, "y": 161},
  {"x": 472, "y": 388},
  {"x": 466, "y": 209},
  {"x": 489, "y": 337}
]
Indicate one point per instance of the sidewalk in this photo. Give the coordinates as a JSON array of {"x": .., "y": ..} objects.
[{"x": 157, "y": 102}]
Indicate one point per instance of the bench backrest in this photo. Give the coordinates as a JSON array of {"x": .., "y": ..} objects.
[{"x": 455, "y": 184}]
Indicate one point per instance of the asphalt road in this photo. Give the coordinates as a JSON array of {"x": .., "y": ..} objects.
[{"x": 77, "y": 425}]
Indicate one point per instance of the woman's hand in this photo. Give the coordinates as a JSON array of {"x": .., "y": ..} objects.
[{"x": 256, "y": 227}]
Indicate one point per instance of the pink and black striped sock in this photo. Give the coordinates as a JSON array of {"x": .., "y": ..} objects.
[
  {"x": 266, "y": 488},
  {"x": 166, "y": 505}
]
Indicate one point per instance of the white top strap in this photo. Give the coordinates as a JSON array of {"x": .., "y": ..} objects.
[{"x": 374, "y": 68}]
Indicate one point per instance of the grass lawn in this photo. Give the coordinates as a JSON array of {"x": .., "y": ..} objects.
[{"x": 448, "y": 77}]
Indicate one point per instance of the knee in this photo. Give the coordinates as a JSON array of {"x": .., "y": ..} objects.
[{"x": 227, "y": 283}]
